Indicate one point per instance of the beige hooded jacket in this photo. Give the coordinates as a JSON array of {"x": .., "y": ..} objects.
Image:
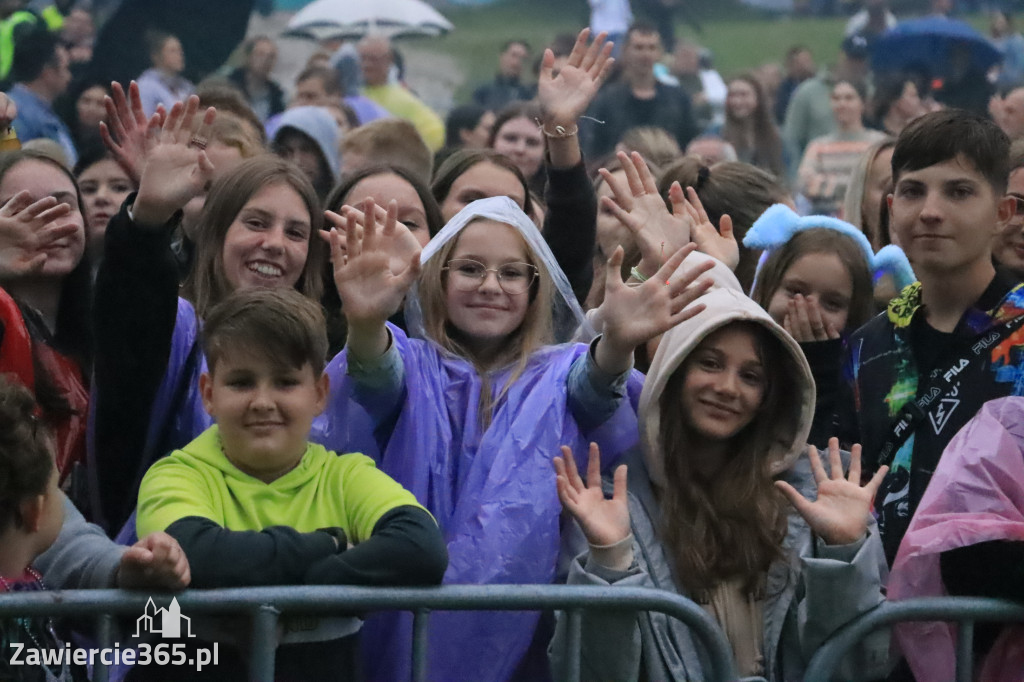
[{"x": 813, "y": 591}]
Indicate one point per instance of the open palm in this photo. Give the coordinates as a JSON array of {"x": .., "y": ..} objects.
[
  {"x": 370, "y": 291},
  {"x": 564, "y": 97},
  {"x": 839, "y": 515},
  {"x": 633, "y": 315},
  {"x": 604, "y": 521}
]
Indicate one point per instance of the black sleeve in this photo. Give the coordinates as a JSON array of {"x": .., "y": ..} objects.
[
  {"x": 570, "y": 225},
  {"x": 133, "y": 318},
  {"x": 406, "y": 548},
  {"x": 825, "y": 359},
  {"x": 278, "y": 555},
  {"x": 846, "y": 425},
  {"x": 987, "y": 569}
]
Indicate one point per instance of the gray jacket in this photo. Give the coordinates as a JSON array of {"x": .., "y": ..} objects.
[
  {"x": 813, "y": 592},
  {"x": 82, "y": 557}
]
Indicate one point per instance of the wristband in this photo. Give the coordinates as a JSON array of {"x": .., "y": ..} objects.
[{"x": 561, "y": 132}]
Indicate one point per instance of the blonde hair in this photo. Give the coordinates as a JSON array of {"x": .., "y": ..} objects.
[
  {"x": 535, "y": 331},
  {"x": 653, "y": 143},
  {"x": 853, "y": 203},
  {"x": 390, "y": 142}
]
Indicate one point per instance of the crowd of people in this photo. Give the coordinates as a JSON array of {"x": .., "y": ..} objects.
[{"x": 755, "y": 341}]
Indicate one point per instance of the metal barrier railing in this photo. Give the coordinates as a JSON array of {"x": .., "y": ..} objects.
[
  {"x": 964, "y": 611},
  {"x": 266, "y": 604}
]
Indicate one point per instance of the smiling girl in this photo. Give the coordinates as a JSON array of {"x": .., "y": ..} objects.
[
  {"x": 725, "y": 413},
  {"x": 468, "y": 414}
]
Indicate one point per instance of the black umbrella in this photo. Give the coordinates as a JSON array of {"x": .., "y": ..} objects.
[{"x": 209, "y": 30}]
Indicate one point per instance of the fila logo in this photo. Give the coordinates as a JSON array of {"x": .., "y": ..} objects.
[{"x": 953, "y": 371}]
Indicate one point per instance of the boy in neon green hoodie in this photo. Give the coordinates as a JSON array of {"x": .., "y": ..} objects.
[{"x": 252, "y": 502}]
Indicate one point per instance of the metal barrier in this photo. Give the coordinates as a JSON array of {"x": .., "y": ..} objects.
[
  {"x": 266, "y": 604},
  {"x": 964, "y": 611}
]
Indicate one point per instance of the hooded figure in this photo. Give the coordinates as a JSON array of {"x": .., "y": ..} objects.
[
  {"x": 308, "y": 137},
  {"x": 713, "y": 528},
  {"x": 474, "y": 445}
]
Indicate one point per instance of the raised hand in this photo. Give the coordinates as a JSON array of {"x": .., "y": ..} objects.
[
  {"x": 604, "y": 522},
  {"x": 719, "y": 244},
  {"x": 26, "y": 229},
  {"x": 400, "y": 244},
  {"x": 839, "y": 515},
  {"x": 564, "y": 98},
  {"x": 124, "y": 132},
  {"x": 177, "y": 169},
  {"x": 639, "y": 207},
  {"x": 370, "y": 290},
  {"x": 634, "y": 314},
  {"x": 805, "y": 323}
]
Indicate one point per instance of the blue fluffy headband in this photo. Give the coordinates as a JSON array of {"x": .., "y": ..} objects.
[{"x": 779, "y": 223}]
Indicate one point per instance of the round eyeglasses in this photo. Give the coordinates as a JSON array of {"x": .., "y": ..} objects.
[{"x": 468, "y": 275}]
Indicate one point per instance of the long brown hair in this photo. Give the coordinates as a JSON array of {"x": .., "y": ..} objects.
[
  {"x": 534, "y": 332},
  {"x": 207, "y": 284},
  {"x": 732, "y": 525},
  {"x": 767, "y": 149}
]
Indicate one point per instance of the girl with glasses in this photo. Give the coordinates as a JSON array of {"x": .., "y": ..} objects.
[{"x": 469, "y": 414}]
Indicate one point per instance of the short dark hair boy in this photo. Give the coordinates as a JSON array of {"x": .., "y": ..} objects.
[
  {"x": 951, "y": 341},
  {"x": 253, "y": 486}
]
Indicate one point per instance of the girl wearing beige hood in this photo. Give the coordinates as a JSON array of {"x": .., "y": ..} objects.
[{"x": 725, "y": 413}]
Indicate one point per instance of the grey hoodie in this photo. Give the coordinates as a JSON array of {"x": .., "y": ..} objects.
[{"x": 810, "y": 593}]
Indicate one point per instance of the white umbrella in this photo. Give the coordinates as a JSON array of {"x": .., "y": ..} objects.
[{"x": 324, "y": 19}]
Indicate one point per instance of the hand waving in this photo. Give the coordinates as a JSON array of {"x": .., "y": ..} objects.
[
  {"x": 640, "y": 208},
  {"x": 719, "y": 244},
  {"x": 26, "y": 229},
  {"x": 840, "y": 513},
  {"x": 370, "y": 290},
  {"x": 634, "y": 314},
  {"x": 177, "y": 169},
  {"x": 564, "y": 98},
  {"x": 124, "y": 132},
  {"x": 400, "y": 244},
  {"x": 604, "y": 522}
]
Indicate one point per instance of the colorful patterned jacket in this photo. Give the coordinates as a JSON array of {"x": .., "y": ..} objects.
[{"x": 881, "y": 374}]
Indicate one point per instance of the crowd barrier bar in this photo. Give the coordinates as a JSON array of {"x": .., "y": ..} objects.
[
  {"x": 964, "y": 611},
  {"x": 266, "y": 604}
]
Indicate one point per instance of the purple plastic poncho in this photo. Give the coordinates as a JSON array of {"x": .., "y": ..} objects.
[
  {"x": 492, "y": 491},
  {"x": 491, "y": 488},
  {"x": 976, "y": 495}
]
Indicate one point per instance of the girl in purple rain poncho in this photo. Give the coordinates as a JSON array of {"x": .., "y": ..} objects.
[{"x": 469, "y": 417}]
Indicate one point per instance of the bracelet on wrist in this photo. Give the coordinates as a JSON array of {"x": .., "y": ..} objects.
[{"x": 561, "y": 132}]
